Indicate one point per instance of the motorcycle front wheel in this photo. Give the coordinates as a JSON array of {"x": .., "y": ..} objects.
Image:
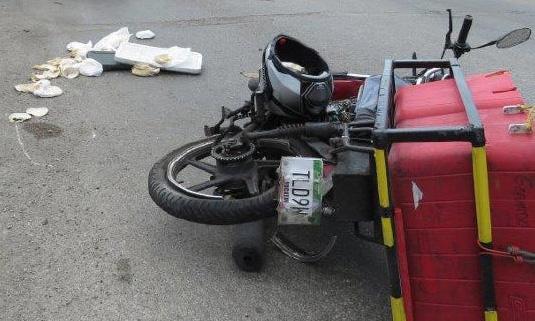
[{"x": 206, "y": 202}]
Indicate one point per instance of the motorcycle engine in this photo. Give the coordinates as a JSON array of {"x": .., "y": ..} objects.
[{"x": 341, "y": 110}]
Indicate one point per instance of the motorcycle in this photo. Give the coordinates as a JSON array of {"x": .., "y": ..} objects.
[{"x": 234, "y": 174}]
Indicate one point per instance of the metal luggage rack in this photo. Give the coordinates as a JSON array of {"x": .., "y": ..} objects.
[{"x": 384, "y": 134}]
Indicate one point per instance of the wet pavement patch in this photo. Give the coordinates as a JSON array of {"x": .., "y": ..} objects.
[
  {"x": 43, "y": 130},
  {"x": 124, "y": 270}
]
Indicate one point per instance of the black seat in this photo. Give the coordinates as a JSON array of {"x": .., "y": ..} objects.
[{"x": 366, "y": 106}]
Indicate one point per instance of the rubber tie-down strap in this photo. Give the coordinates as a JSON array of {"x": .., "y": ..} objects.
[
  {"x": 513, "y": 252},
  {"x": 527, "y": 126},
  {"x": 530, "y": 117}
]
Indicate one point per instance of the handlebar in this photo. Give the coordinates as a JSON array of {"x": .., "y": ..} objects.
[{"x": 463, "y": 34}]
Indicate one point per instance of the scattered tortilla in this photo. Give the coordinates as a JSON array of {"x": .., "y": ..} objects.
[
  {"x": 37, "y": 111},
  {"x": 19, "y": 117},
  {"x": 69, "y": 68},
  {"x": 144, "y": 70},
  {"x": 44, "y": 67},
  {"x": 45, "y": 74},
  {"x": 42, "y": 88},
  {"x": 163, "y": 59},
  {"x": 27, "y": 88},
  {"x": 55, "y": 62}
]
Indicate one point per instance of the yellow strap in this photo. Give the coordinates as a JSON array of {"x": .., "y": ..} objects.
[
  {"x": 388, "y": 233},
  {"x": 398, "y": 309},
  {"x": 481, "y": 191},
  {"x": 382, "y": 179},
  {"x": 491, "y": 315}
]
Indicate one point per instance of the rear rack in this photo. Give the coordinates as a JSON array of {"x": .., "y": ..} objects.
[{"x": 384, "y": 134}]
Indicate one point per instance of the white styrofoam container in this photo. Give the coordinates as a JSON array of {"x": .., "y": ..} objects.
[{"x": 184, "y": 60}]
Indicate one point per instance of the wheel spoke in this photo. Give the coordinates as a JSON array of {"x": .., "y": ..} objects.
[
  {"x": 203, "y": 166},
  {"x": 208, "y": 184}
]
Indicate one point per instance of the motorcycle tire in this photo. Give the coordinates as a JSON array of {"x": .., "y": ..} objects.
[{"x": 206, "y": 211}]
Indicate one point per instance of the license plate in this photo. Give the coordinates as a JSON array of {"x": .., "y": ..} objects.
[{"x": 300, "y": 191}]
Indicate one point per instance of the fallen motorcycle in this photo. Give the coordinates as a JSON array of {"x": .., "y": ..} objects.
[{"x": 311, "y": 145}]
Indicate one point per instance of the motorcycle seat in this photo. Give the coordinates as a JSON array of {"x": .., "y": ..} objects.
[{"x": 366, "y": 106}]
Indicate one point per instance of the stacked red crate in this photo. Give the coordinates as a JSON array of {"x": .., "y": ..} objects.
[{"x": 432, "y": 185}]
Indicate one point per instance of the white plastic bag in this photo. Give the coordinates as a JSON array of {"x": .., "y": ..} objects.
[
  {"x": 90, "y": 67},
  {"x": 42, "y": 88},
  {"x": 79, "y": 48},
  {"x": 145, "y": 34},
  {"x": 45, "y": 90},
  {"x": 112, "y": 41}
]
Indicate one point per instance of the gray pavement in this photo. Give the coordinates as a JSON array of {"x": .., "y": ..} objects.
[{"x": 80, "y": 238}]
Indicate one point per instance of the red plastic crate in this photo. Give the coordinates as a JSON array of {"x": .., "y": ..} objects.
[{"x": 439, "y": 231}]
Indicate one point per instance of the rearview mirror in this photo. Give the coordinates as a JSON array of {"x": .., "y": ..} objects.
[{"x": 514, "y": 38}]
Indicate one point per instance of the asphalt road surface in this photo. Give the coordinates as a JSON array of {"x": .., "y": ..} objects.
[{"x": 80, "y": 239}]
